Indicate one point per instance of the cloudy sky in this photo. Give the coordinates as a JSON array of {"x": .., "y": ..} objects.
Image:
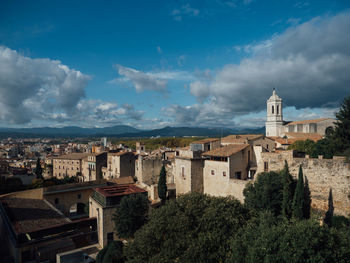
[{"x": 149, "y": 64}]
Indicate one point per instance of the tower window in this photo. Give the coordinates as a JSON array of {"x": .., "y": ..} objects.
[
  {"x": 278, "y": 109},
  {"x": 273, "y": 109}
]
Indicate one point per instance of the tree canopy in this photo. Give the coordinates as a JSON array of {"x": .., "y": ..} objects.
[
  {"x": 130, "y": 215},
  {"x": 162, "y": 188},
  {"x": 192, "y": 228}
]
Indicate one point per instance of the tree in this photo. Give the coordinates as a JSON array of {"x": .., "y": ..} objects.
[
  {"x": 298, "y": 200},
  {"x": 130, "y": 215},
  {"x": 266, "y": 193},
  {"x": 38, "y": 169},
  {"x": 192, "y": 228},
  {"x": 329, "y": 214},
  {"x": 162, "y": 188},
  {"x": 307, "y": 200},
  {"x": 267, "y": 240},
  {"x": 112, "y": 253},
  {"x": 288, "y": 191},
  {"x": 341, "y": 133}
]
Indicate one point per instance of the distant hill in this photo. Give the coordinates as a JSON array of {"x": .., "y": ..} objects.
[{"x": 122, "y": 131}]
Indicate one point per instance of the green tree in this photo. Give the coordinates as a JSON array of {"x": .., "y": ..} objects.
[
  {"x": 266, "y": 193},
  {"x": 112, "y": 253},
  {"x": 130, "y": 215},
  {"x": 192, "y": 228},
  {"x": 288, "y": 191},
  {"x": 307, "y": 200},
  {"x": 329, "y": 214},
  {"x": 38, "y": 169},
  {"x": 298, "y": 200},
  {"x": 267, "y": 240},
  {"x": 341, "y": 135},
  {"x": 162, "y": 188}
]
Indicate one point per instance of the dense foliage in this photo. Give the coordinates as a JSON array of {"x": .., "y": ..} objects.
[
  {"x": 38, "y": 169},
  {"x": 112, "y": 253},
  {"x": 162, "y": 188},
  {"x": 266, "y": 193},
  {"x": 192, "y": 228},
  {"x": 130, "y": 215},
  {"x": 267, "y": 240},
  {"x": 298, "y": 199},
  {"x": 288, "y": 191}
]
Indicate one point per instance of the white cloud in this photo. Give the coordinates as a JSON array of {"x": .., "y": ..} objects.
[
  {"x": 308, "y": 65},
  {"x": 184, "y": 10},
  {"x": 32, "y": 87}
]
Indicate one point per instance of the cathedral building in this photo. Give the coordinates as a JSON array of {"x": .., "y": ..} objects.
[{"x": 275, "y": 126}]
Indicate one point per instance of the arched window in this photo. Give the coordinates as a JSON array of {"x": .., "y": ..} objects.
[{"x": 273, "y": 110}]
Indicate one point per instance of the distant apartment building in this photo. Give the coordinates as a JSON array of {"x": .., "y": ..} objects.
[
  {"x": 119, "y": 164},
  {"x": 92, "y": 166},
  {"x": 68, "y": 165}
]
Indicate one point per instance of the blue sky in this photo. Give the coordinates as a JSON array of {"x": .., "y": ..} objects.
[{"x": 181, "y": 63}]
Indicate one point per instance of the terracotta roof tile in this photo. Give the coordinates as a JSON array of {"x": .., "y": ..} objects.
[
  {"x": 206, "y": 140},
  {"x": 226, "y": 151},
  {"x": 308, "y": 121}
]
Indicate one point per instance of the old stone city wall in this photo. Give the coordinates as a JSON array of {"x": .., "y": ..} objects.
[{"x": 322, "y": 174}]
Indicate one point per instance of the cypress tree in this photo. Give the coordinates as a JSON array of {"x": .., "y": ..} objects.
[
  {"x": 329, "y": 214},
  {"x": 162, "y": 188},
  {"x": 298, "y": 200},
  {"x": 307, "y": 200},
  {"x": 287, "y": 191},
  {"x": 38, "y": 169}
]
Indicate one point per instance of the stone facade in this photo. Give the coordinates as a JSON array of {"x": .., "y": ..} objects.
[
  {"x": 119, "y": 164},
  {"x": 92, "y": 166},
  {"x": 322, "y": 174},
  {"x": 147, "y": 169},
  {"x": 68, "y": 165}
]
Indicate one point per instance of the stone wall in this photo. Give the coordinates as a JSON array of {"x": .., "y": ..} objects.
[
  {"x": 147, "y": 169},
  {"x": 322, "y": 174}
]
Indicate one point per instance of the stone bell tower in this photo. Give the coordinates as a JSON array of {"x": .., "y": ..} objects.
[{"x": 274, "y": 121}]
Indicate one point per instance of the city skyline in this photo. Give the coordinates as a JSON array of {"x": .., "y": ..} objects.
[{"x": 184, "y": 63}]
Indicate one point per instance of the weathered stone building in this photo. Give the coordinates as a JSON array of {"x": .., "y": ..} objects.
[
  {"x": 119, "y": 164},
  {"x": 68, "y": 165},
  {"x": 92, "y": 166},
  {"x": 322, "y": 174}
]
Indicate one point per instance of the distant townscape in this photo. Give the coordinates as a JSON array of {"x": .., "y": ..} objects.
[{"x": 61, "y": 198}]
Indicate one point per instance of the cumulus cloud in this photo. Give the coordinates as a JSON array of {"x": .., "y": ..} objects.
[
  {"x": 308, "y": 65},
  {"x": 154, "y": 80},
  {"x": 29, "y": 86},
  {"x": 142, "y": 81}
]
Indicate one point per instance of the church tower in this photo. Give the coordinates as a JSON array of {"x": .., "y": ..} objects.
[{"x": 274, "y": 121}]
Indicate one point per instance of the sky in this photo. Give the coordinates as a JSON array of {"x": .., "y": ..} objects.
[{"x": 151, "y": 64}]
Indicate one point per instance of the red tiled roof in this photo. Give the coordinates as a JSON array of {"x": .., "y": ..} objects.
[
  {"x": 308, "y": 121},
  {"x": 206, "y": 140},
  {"x": 226, "y": 151},
  {"x": 120, "y": 190}
]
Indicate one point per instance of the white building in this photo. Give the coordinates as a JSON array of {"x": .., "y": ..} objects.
[{"x": 275, "y": 126}]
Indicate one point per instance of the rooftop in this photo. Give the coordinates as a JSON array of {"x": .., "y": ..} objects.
[
  {"x": 206, "y": 140},
  {"x": 308, "y": 121},
  {"x": 226, "y": 151},
  {"x": 241, "y": 138},
  {"x": 119, "y": 190},
  {"x": 28, "y": 215},
  {"x": 72, "y": 156},
  {"x": 119, "y": 153}
]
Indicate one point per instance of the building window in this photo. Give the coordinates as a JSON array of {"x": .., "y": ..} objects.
[
  {"x": 79, "y": 196},
  {"x": 224, "y": 173},
  {"x": 183, "y": 172},
  {"x": 212, "y": 172},
  {"x": 273, "y": 109},
  {"x": 56, "y": 201},
  {"x": 238, "y": 175},
  {"x": 266, "y": 166},
  {"x": 109, "y": 237},
  {"x": 278, "y": 109}
]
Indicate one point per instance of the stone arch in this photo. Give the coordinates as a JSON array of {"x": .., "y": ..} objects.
[{"x": 77, "y": 209}]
